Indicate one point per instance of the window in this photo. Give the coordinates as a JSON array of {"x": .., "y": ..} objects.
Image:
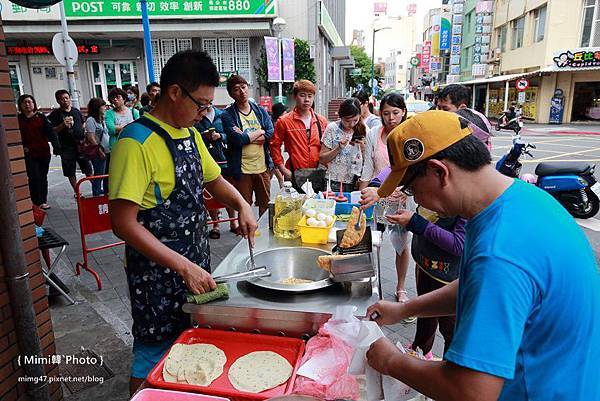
[
  {"x": 539, "y": 17},
  {"x": 230, "y": 54},
  {"x": 164, "y": 49},
  {"x": 590, "y": 33},
  {"x": 501, "y": 44},
  {"x": 518, "y": 29},
  {"x": 468, "y": 19},
  {"x": 112, "y": 74}
]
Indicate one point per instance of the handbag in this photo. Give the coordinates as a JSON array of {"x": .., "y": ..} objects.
[{"x": 90, "y": 150}]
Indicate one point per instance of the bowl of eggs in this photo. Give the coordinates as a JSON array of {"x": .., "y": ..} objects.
[{"x": 314, "y": 227}]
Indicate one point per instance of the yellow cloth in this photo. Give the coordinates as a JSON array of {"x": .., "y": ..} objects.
[
  {"x": 141, "y": 166},
  {"x": 253, "y": 155}
]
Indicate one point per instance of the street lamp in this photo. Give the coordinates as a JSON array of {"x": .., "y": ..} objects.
[
  {"x": 278, "y": 25},
  {"x": 373, "y": 58}
]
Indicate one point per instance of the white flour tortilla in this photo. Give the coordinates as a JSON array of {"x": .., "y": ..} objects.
[
  {"x": 198, "y": 364},
  {"x": 259, "y": 371}
]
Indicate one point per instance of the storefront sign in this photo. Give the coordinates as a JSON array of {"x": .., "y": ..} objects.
[
  {"x": 455, "y": 46},
  {"x": 415, "y": 61},
  {"x": 380, "y": 7},
  {"x": 327, "y": 25},
  {"x": 273, "y": 59},
  {"x": 411, "y": 9},
  {"x": 436, "y": 22},
  {"x": 426, "y": 56},
  {"x": 287, "y": 50},
  {"x": 445, "y": 34},
  {"x": 38, "y": 50},
  {"x": 76, "y": 9},
  {"x": 483, "y": 21},
  {"x": 266, "y": 102},
  {"x": 578, "y": 58}
]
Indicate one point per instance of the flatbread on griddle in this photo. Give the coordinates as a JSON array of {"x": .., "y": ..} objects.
[{"x": 352, "y": 237}]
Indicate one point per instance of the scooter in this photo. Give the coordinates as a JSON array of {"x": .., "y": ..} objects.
[
  {"x": 514, "y": 124},
  {"x": 572, "y": 184}
]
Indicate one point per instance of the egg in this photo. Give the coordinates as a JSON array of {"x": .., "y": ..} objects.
[
  {"x": 311, "y": 213},
  {"x": 329, "y": 220},
  {"x": 321, "y": 216},
  {"x": 321, "y": 223},
  {"x": 312, "y": 222}
]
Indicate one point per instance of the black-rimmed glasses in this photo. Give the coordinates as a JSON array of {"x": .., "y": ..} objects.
[
  {"x": 406, "y": 188},
  {"x": 201, "y": 106}
]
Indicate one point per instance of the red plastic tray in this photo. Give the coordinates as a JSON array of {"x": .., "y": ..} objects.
[{"x": 235, "y": 345}]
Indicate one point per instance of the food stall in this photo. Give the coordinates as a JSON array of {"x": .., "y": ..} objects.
[{"x": 268, "y": 319}]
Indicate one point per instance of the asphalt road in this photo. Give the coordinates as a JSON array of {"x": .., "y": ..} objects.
[{"x": 558, "y": 149}]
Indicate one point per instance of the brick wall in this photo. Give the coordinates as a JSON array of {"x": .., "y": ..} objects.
[{"x": 10, "y": 388}]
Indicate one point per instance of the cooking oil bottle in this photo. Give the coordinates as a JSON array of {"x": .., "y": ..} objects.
[{"x": 288, "y": 212}]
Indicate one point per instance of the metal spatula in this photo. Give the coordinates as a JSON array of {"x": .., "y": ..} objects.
[{"x": 252, "y": 262}]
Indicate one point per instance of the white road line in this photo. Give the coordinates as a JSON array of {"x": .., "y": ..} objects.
[
  {"x": 591, "y": 224},
  {"x": 562, "y": 161},
  {"x": 569, "y": 154}
]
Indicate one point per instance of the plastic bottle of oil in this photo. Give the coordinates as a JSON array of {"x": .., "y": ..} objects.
[{"x": 288, "y": 212}]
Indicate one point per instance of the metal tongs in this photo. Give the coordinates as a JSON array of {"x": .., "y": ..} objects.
[{"x": 243, "y": 276}]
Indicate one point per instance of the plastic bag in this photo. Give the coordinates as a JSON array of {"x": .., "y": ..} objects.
[
  {"x": 344, "y": 325},
  {"x": 395, "y": 390},
  {"x": 329, "y": 381}
]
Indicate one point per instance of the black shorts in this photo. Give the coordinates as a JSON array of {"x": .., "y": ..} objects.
[{"x": 68, "y": 166}]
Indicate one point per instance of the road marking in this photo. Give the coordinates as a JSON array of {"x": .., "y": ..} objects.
[
  {"x": 591, "y": 224},
  {"x": 562, "y": 161},
  {"x": 569, "y": 154}
]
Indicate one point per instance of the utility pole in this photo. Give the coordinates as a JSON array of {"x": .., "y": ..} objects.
[{"x": 70, "y": 78}]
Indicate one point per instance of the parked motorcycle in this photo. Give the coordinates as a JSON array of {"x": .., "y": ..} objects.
[{"x": 572, "y": 184}]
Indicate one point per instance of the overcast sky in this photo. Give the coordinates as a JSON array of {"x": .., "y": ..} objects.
[{"x": 359, "y": 15}]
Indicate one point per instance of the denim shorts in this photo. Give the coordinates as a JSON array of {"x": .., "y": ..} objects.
[{"x": 146, "y": 356}]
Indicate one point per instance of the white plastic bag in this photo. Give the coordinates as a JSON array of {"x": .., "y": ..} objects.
[
  {"x": 395, "y": 390},
  {"x": 344, "y": 325}
]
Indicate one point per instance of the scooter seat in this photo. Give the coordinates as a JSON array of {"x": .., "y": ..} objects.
[{"x": 545, "y": 169}]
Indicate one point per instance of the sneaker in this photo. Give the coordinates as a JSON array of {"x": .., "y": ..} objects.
[{"x": 45, "y": 206}]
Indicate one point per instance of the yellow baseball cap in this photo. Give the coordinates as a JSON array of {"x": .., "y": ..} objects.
[{"x": 417, "y": 139}]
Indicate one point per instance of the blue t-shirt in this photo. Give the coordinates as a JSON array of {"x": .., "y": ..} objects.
[{"x": 528, "y": 307}]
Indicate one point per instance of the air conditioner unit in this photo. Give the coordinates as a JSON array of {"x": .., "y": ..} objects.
[{"x": 312, "y": 52}]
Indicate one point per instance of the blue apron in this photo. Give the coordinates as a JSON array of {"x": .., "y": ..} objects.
[{"x": 157, "y": 293}]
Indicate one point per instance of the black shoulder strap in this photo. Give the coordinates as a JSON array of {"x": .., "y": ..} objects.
[
  {"x": 153, "y": 126},
  {"x": 319, "y": 127}
]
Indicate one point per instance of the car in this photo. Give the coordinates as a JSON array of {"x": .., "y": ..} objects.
[{"x": 416, "y": 106}]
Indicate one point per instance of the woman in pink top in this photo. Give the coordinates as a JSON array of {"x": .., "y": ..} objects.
[{"x": 393, "y": 112}]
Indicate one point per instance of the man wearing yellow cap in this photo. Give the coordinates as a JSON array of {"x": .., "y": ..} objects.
[{"x": 527, "y": 299}]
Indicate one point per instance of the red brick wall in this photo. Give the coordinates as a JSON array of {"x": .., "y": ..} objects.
[{"x": 10, "y": 388}]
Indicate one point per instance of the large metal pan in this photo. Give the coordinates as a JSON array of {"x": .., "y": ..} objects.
[{"x": 289, "y": 262}]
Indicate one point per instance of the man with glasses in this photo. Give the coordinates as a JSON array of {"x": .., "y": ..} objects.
[
  {"x": 526, "y": 305},
  {"x": 249, "y": 129},
  {"x": 158, "y": 171}
]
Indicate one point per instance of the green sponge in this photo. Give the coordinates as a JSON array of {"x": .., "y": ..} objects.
[{"x": 221, "y": 292}]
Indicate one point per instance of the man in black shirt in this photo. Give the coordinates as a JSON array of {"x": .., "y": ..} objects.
[{"x": 67, "y": 122}]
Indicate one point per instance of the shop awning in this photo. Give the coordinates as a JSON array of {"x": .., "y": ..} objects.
[
  {"x": 555, "y": 68},
  {"x": 499, "y": 78}
]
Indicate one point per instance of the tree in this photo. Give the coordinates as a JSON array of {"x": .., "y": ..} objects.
[
  {"x": 305, "y": 68},
  {"x": 363, "y": 62}
]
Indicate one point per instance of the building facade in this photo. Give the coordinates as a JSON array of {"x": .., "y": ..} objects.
[
  {"x": 404, "y": 35},
  {"x": 110, "y": 38},
  {"x": 557, "y": 44}
]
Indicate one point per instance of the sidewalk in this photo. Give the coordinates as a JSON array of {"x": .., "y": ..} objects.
[
  {"x": 561, "y": 129},
  {"x": 101, "y": 320}
]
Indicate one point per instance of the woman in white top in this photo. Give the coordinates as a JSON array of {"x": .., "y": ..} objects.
[{"x": 343, "y": 146}]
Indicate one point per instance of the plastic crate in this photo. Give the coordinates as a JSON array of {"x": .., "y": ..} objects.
[
  {"x": 346, "y": 207},
  {"x": 326, "y": 206},
  {"x": 314, "y": 235},
  {"x": 152, "y": 394}
]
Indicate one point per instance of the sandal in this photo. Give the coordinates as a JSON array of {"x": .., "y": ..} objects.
[
  {"x": 45, "y": 206},
  {"x": 401, "y": 296},
  {"x": 214, "y": 233}
]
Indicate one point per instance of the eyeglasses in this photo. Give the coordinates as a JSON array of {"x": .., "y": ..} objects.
[
  {"x": 201, "y": 106},
  {"x": 406, "y": 188}
]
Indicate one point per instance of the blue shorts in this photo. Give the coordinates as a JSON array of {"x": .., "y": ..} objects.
[{"x": 146, "y": 356}]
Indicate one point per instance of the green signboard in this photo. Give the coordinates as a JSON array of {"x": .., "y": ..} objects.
[
  {"x": 190, "y": 8},
  {"x": 414, "y": 61}
]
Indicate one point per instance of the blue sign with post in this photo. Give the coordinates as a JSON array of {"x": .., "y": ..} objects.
[{"x": 557, "y": 107}]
